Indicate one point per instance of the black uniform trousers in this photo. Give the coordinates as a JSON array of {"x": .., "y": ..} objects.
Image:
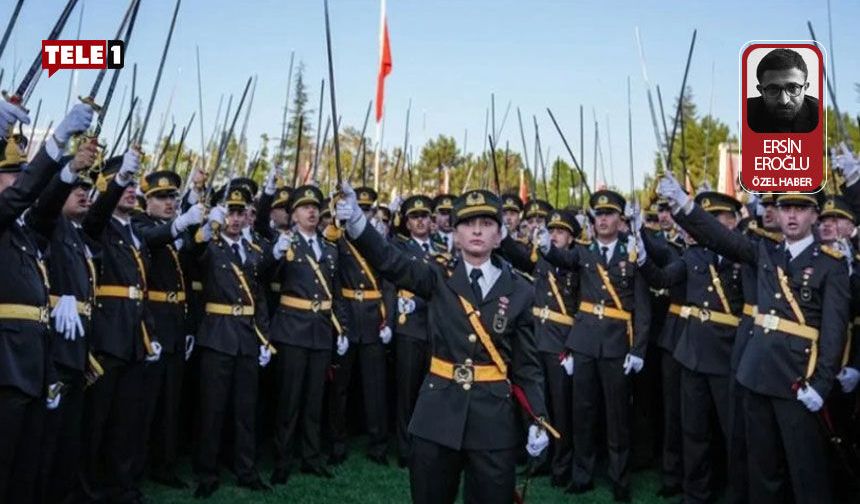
[
  {"x": 61, "y": 441},
  {"x": 787, "y": 454},
  {"x": 559, "y": 388},
  {"x": 112, "y": 428},
  {"x": 412, "y": 364},
  {"x": 21, "y": 420},
  {"x": 371, "y": 360},
  {"x": 592, "y": 379},
  {"x": 163, "y": 398},
  {"x": 737, "y": 446},
  {"x": 434, "y": 474},
  {"x": 702, "y": 397},
  {"x": 300, "y": 375},
  {"x": 645, "y": 412},
  {"x": 672, "y": 465},
  {"x": 227, "y": 380}
]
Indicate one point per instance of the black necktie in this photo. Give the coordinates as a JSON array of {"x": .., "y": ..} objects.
[
  {"x": 787, "y": 258},
  {"x": 476, "y": 288},
  {"x": 604, "y": 252},
  {"x": 426, "y": 247},
  {"x": 311, "y": 245},
  {"x": 236, "y": 253}
]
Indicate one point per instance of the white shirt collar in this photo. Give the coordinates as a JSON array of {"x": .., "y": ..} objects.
[
  {"x": 611, "y": 246},
  {"x": 490, "y": 273},
  {"x": 799, "y": 246},
  {"x": 231, "y": 242},
  {"x": 421, "y": 242}
]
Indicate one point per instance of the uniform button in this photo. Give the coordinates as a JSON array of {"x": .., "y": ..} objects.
[
  {"x": 361, "y": 285},
  {"x": 710, "y": 289},
  {"x": 431, "y": 385},
  {"x": 468, "y": 362},
  {"x": 806, "y": 351},
  {"x": 773, "y": 312},
  {"x": 467, "y": 386},
  {"x": 603, "y": 287},
  {"x": 778, "y": 295},
  {"x": 549, "y": 293},
  {"x": 472, "y": 338},
  {"x": 706, "y": 304}
]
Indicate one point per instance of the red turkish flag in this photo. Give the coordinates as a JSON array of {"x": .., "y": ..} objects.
[{"x": 385, "y": 63}]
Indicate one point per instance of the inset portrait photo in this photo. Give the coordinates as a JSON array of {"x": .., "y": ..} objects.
[{"x": 782, "y": 90}]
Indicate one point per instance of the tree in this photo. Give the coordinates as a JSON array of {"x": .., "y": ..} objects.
[{"x": 299, "y": 110}]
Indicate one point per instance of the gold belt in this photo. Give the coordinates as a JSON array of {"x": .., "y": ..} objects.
[
  {"x": 466, "y": 373},
  {"x": 601, "y": 311},
  {"x": 750, "y": 310},
  {"x": 231, "y": 310},
  {"x": 166, "y": 297},
  {"x": 85, "y": 309},
  {"x": 545, "y": 314},
  {"x": 119, "y": 291},
  {"x": 710, "y": 316},
  {"x": 361, "y": 295},
  {"x": 676, "y": 309},
  {"x": 25, "y": 312},
  {"x": 774, "y": 323},
  {"x": 305, "y": 304}
]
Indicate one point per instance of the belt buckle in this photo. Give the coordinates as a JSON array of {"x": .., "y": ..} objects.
[
  {"x": 544, "y": 314},
  {"x": 598, "y": 310},
  {"x": 685, "y": 312},
  {"x": 359, "y": 295},
  {"x": 464, "y": 374},
  {"x": 133, "y": 292},
  {"x": 315, "y": 306},
  {"x": 771, "y": 322},
  {"x": 44, "y": 315},
  {"x": 172, "y": 297},
  {"x": 237, "y": 310},
  {"x": 704, "y": 315}
]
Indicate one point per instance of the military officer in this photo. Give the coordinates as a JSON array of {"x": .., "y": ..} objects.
[
  {"x": 444, "y": 234},
  {"x": 512, "y": 212},
  {"x": 536, "y": 213}
]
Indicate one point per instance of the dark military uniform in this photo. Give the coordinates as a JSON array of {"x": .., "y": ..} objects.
[
  {"x": 229, "y": 340},
  {"x": 465, "y": 418},
  {"x": 713, "y": 305},
  {"x": 120, "y": 340},
  {"x": 368, "y": 312},
  {"x": 614, "y": 306},
  {"x": 556, "y": 300},
  {"x": 26, "y": 368},
  {"x": 443, "y": 204},
  {"x": 307, "y": 320},
  {"x": 798, "y": 339}
]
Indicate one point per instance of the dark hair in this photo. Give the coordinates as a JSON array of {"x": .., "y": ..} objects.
[{"x": 781, "y": 59}]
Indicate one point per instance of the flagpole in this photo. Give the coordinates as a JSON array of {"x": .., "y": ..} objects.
[{"x": 379, "y": 121}]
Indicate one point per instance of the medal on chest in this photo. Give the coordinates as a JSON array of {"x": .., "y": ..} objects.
[{"x": 500, "y": 319}]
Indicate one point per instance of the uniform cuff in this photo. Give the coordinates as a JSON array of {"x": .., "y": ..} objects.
[{"x": 67, "y": 175}]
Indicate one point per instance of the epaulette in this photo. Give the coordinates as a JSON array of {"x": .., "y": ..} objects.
[
  {"x": 770, "y": 235},
  {"x": 255, "y": 247},
  {"x": 523, "y": 274},
  {"x": 832, "y": 252},
  {"x": 582, "y": 242}
]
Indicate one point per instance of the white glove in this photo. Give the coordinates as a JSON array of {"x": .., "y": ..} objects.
[
  {"x": 395, "y": 204},
  {"x": 67, "y": 321},
  {"x": 385, "y": 335},
  {"x": 193, "y": 216},
  {"x": 9, "y": 115},
  {"x": 541, "y": 237},
  {"x": 342, "y": 345},
  {"x": 405, "y": 305},
  {"x": 218, "y": 214},
  {"x": 265, "y": 355},
  {"x": 846, "y": 163},
  {"x": 567, "y": 364},
  {"x": 347, "y": 209},
  {"x": 670, "y": 189},
  {"x": 129, "y": 168},
  {"x": 844, "y": 246},
  {"x": 52, "y": 401},
  {"x": 281, "y": 246},
  {"x": 538, "y": 441},
  {"x": 76, "y": 121},
  {"x": 635, "y": 218},
  {"x": 270, "y": 184},
  {"x": 633, "y": 363},
  {"x": 810, "y": 398},
  {"x": 634, "y": 244},
  {"x": 156, "y": 352},
  {"x": 848, "y": 379},
  {"x": 189, "y": 345}
]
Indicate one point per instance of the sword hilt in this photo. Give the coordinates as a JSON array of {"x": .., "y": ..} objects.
[
  {"x": 15, "y": 99},
  {"x": 89, "y": 100}
]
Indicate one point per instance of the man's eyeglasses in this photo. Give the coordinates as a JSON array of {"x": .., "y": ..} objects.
[{"x": 773, "y": 90}]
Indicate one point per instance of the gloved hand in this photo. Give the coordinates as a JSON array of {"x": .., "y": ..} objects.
[
  {"x": 405, "y": 305},
  {"x": 52, "y": 400},
  {"x": 189, "y": 345},
  {"x": 271, "y": 183},
  {"x": 844, "y": 246},
  {"x": 218, "y": 214},
  {"x": 85, "y": 157},
  {"x": 848, "y": 378},
  {"x": 193, "y": 216},
  {"x": 635, "y": 243},
  {"x": 670, "y": 189},
  {"x": 385, "y": 335},
  {"x": 265, "y": 355},
  {"x": 847, "y": 163},
  {"x": 67, "y": 321},
  {"x": 76, "y": 121},
  {"x": 129, "y": 168},
  {"x": 342, "y": 345},
  {"x": 537, "y": 442},
  {"x": 284, "y": 242},
  {"x": 156, "y": 352},
  {"x": 633, "y": 363},
  {"x": 810, "y": 398},
  {"x": 541, "y": 237},
  {"x": 395, "y": 205},
  {"x": 347, "y": 209},
  {"x": 9, "y": 115},
  {"x": 635, "y": 218},
  {"x": 567, "y": 363}
]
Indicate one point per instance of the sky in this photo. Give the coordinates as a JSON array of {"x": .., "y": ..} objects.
[{"x": 449, "y": 56}]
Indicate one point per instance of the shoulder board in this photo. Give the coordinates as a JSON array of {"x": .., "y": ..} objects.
[
  {"x": 255, "y": 247},
  {"x": 832, "y": 252},
  {"x": 523, "y": 274},
  {"x": 770, "y": 235},
  {"x": 585, "y": 243}
]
